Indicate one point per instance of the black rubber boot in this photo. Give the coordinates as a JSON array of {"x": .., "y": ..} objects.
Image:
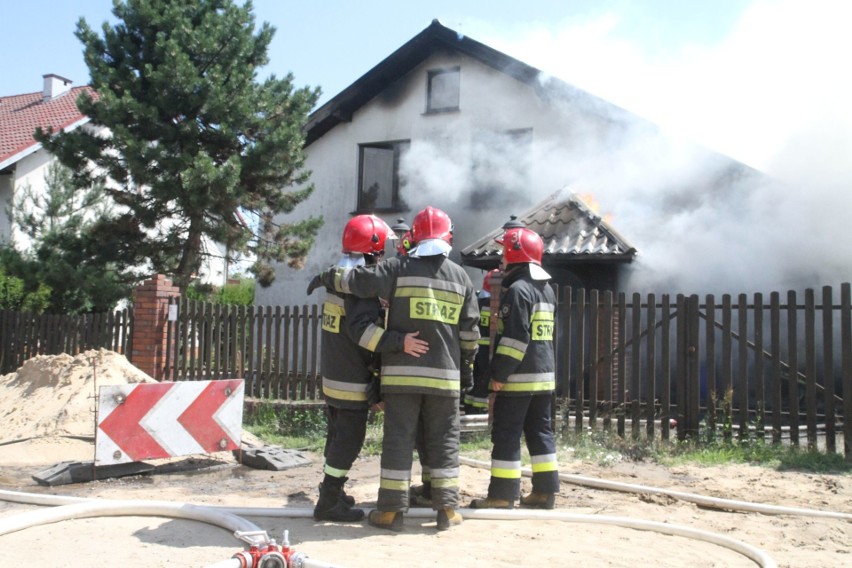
[
  {"x": 339, "y": 482},
  {"x": 348, "y": 499},
  {"x": 331, "y": 506}
]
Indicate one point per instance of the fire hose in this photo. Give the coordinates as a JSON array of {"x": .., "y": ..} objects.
[
  {"x": 262, "y": 549},
  {"x": 264, "y": 553}
]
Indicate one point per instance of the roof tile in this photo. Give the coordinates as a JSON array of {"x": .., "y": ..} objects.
[
  {"x": 20, "y": 115},
  {"x": 571, "y": 231}
]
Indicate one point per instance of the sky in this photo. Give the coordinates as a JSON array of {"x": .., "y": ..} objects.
[
  {"x": 748, "y": 78},
  {"x": 766, "y": 82}
]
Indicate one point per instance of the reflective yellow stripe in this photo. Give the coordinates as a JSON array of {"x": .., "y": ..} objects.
[
  {"x": 394, "y": 484},
  {"x": 476, "y": 402},
  {"x": 343, "y": 390},
  {"x": 402, "y": 381},
  {"x": 334, "y": 472},
  {"x": 505, "y": 473},
  {"x": 370, "y": 338},
  {"x": 545, "y": 466},
  {"x": 484, "y": 318},
  {"x": 485, "y": 341},
  {"x": 431, "y": 293},
  {"x": 529, "y": 387},
  {"x": 445, "y": 482},
  {"x": 468, "y": 345},
  {"x": 510, "y": 352},
  {"x": 344, "y": 395}
]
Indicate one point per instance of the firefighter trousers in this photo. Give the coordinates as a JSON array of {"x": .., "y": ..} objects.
[
  {"x": 344, "y": 439},
  {"x": 530, "y": 416},
  {"x": 439, "y": 416}
]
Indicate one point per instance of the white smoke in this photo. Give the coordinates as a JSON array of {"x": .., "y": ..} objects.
[{"x": 773, "y": 94}]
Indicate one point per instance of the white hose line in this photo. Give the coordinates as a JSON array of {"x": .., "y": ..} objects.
[
  {"x": 65, "y": 508},
  {"x": 80, "y": 507},
  {"x": 712, "y": 502},
  {"x": 114, "y": 508}
]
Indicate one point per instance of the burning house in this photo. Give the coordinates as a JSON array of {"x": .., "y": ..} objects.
[{"x": 450, "y": 122}]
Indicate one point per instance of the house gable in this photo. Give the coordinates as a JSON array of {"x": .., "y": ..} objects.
[{"x": 421, "y": 47}]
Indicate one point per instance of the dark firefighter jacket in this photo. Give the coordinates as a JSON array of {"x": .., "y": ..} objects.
[
  {"x": 351, "y": 333},
  {"x": 432, "y": 295},
  {"x": 523, "y": 354}
]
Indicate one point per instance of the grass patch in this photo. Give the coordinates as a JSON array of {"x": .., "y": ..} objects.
[
  {"x": 305, "y": 428},
  {"x": 292, "y": 427},
  {"x": 606, "y": 448}
]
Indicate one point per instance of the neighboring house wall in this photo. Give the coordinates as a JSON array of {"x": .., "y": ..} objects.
[
  {"x": 25, "y": 163},
  {"x": 450, "y": 155},
  {"x": 30, "y": 172},
  {"x": 6, "y": 181}
]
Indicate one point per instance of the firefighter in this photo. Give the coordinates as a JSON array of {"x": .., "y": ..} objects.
[
  {"x": 476, "y": 399},
  {"x": 352, "y": 331},
  {"x": 523, "y": 377},
  {"x": 432, "y": 295},
  {"x": 419, "y": 495}
]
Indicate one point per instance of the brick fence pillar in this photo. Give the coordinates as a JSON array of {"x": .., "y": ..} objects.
[{"x": 150, "y": 316}]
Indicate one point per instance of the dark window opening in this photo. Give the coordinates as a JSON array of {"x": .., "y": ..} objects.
[
  {"x": 443, "y": 90},
  {"x": 380, "y": 182}
]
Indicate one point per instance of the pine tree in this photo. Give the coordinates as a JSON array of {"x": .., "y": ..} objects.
[
  {"x": 196, "y": 148},
  {"x": 60, "y": 255}
]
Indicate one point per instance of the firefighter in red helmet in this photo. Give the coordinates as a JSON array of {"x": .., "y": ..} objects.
[
  {"x": 476, "y": 399},
  {"x": 352, "y": 336},
  {"x": 523, "y": 377},
  {"x": 431, "y": 295}
]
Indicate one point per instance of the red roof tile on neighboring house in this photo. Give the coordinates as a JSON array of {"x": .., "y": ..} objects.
[{"x": 20, "y": 115}]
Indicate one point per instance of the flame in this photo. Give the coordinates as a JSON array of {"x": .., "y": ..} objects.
[{"x": 589, "y": 200}]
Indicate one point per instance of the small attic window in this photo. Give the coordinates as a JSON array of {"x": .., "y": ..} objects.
[{"x": 443, "y": 90}]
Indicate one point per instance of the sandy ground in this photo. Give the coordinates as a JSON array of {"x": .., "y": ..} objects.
[
  {"x": 46, "y": 414},
  {"x": 791, "y": 541}
]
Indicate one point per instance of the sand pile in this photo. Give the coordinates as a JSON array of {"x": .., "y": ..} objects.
[{"x": 55, "y": 395}]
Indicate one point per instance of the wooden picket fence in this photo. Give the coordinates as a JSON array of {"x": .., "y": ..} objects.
[
  {"x": 275, "y": 349},
  {"x": 24, "y": 335},
  {"x": 776, "y": 367}
]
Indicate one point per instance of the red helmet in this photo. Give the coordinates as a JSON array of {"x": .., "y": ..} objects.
[
  {"x": 486, "y": 282},
  {"x": 366, "y": 234},
  {"x": 521, "y": 245},
  {"x": 406, "y": 243},
  {"x": 432, "y": 223}
]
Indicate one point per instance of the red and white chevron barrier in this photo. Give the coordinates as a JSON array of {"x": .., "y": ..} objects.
[{"x": 159, "y": 420}]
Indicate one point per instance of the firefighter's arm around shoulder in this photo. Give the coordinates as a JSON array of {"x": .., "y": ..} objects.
[
  {"x": 364, "y": 325},
  {"x": 375, "y": 281}
]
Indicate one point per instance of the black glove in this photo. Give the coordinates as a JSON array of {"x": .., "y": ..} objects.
[
  {"x": 315, "y": 283},
  {"x": 374, "y": 390},
  {"x": 466, "y": 375}
]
